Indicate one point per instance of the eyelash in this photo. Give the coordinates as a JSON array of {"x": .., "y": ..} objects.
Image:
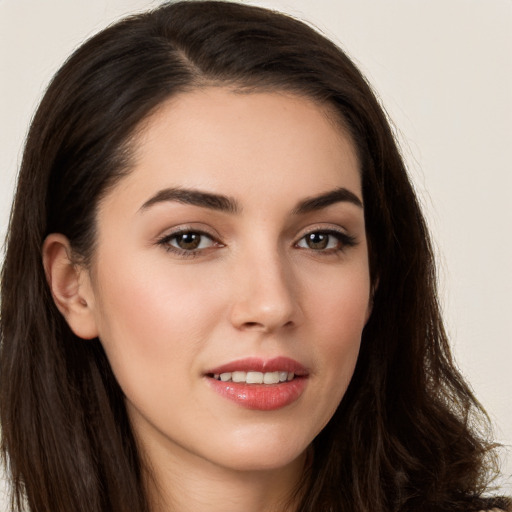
[
  {"x": 165, "y": 241},
  {"x": 344, "y": 241}
]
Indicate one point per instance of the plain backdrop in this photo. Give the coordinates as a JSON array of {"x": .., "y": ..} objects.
[{"x": 443, "y": 71}]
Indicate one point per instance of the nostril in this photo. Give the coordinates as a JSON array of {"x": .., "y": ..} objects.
[
  {"x": 252, "y": 325},
  {"x": 259, "y": 326}
]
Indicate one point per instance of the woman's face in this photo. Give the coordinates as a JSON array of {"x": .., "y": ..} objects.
[{"x": 230, "y": 285}]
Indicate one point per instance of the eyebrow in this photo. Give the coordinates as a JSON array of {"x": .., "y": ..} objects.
[
  {"x": 339, "y": 195},
  {"x": 227, "y": 204},
  {"x": 194, "y": 197}
]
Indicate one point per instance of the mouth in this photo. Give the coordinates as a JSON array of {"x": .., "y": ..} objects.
[
  {"x": 258, "y": 384},
  {"x": 267, "y": 378}
]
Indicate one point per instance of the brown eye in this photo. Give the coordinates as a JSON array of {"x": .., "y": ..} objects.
[
  {"x": 317, "y": 241},
  {"x": 320, "y": 241},
  {"x": 188, "y": 241},
  {"x": 326, "y": 241}
]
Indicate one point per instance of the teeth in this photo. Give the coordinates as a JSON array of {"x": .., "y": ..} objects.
[
  {"x": 238, "y": 376},
  {"x": 271, "y": 378},
  {"x": 255, "y": 377}
]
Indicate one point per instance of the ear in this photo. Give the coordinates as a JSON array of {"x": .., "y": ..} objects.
[{"x": 70, "y": 286}]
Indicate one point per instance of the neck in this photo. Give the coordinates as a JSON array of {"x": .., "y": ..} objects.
[{"x": 185, "y": 484}]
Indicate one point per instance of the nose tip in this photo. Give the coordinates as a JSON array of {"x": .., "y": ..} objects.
[
  {"x": 268, "y": 322},
  {"x": 265, "y": 301}
]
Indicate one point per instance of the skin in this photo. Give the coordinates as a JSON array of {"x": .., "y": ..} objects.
[{"x": 253, "y": 288}]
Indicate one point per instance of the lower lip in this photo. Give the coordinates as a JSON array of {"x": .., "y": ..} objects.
[{"x": 261, "y": 397}]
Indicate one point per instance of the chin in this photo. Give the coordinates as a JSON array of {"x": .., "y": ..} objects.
[
  {"x": 262, "y": 462},
  {"x": 263, "y": 453}
]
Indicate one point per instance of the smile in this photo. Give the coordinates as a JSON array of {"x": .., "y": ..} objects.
[
  {"x": 255, "y": 377},
  {"x": 263, "y": 385}
]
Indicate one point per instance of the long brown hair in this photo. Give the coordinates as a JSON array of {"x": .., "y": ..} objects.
[{"x": 405, "y": 436}]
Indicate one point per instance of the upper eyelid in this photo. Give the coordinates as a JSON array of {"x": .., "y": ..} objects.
[
  {"x": 331, "y": 232},
  {"x": 189, "y": 228},
  {"x": 169, "y": 233},
  {"x": 215, "y": 236},
  {"x": 344, "y": 235},
  {"x": 328, "y": 227},
  {"x": 174, "y": 234}
]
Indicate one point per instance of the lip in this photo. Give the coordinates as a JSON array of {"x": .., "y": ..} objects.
[
  {"x": 255, "y": 364},
  {"x": 261, "y": 397}
]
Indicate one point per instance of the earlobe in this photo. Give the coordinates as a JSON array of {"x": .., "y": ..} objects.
[{"x": 70, "y": 286}]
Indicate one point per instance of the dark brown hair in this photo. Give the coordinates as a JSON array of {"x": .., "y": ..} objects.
[{"x": 406, "y": 435}]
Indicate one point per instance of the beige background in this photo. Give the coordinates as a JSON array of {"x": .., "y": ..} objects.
[{"x": 443, "y": 69}]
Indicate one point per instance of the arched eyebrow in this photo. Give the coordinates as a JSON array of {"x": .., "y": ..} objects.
[
  {"x": 339, "y": 195},
  {"x": 227, "y": 204},
  {"x": 194, "y": 197}
]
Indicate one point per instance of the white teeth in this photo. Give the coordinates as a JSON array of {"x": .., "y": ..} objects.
[
  {"x": 255, "y": 377},
  {"x": 271, "y": 378},
  {"x": 238, "y": 376}
]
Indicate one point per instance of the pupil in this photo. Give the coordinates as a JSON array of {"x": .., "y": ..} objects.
[
  {"x": 189, "y": 241},
  {"x": 318, "y": 240}
]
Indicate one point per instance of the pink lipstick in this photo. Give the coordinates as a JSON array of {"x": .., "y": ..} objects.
[{"x": 259, "y": 384}]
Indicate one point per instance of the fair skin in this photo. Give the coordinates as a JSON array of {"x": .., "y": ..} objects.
[{"x": 184, "y": 284}]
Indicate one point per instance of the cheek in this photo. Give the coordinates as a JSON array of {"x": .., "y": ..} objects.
[
  {"x": 341, "y": 323},
  {"x": 151, "y": 320},
  {"x": 339, "y": 312},
  {"x": 340, "y": 301}
]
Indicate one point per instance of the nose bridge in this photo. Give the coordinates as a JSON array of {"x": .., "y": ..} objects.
[{"x": 265, "y": 290}]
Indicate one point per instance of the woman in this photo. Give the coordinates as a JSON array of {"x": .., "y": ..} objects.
[{"x": 218, "y": 291}]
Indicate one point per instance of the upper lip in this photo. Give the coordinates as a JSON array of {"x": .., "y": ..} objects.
[{"x": 256, "y": 364}]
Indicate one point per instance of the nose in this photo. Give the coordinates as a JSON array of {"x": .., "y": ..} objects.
[{"x": 265, "y": 296}]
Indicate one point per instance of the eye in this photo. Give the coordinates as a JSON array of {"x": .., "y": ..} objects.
[
  {"x": 190, "y": 241},
  {"x": 326, "y": 240},
  {"x": 187, "y": 242}
]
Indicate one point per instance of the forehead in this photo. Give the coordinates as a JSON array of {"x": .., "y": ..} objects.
[{"x": 271, "y": 143}]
